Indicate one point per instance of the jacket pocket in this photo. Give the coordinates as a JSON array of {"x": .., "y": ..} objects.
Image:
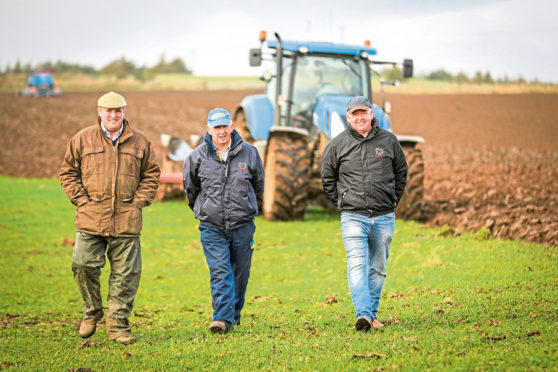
[
  {"x": 128, "y": 219},
  {"x": 94, "y": 216},
  {"x": 251, "y": 194},
  {"x": 130, "y": 161},
  {"x": 92, "y": 159},
  {"x": 92, "y": 170},
  {"x": 199, "y": 203},
  {"x": 352, "y": 200}
]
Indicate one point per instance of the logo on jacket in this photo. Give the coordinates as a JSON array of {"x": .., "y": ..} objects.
[
  {"x": 242, "y": 167},
  {"x": 379, "y": 151}
]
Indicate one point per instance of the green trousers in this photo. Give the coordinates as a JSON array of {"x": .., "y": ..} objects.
[{"x": 124, "y": 255}]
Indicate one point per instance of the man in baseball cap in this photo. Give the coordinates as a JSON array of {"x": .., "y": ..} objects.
[
  {"x": 223, "y": 178},
  {"x": 364, "y": 174}
]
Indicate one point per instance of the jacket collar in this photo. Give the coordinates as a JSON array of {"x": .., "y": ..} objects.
[
  {"x": 126, "y": 132},
  {"x": 236, "y": 142}
]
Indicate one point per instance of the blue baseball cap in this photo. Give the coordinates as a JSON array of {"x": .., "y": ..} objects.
[
  {"x": 217, "y": 117},
  {"x": 358, "y": 102}
]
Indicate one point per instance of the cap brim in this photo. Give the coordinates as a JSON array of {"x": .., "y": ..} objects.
[
  {"x": 353, "y": 109},
  {"x": 220, "y": 122}
]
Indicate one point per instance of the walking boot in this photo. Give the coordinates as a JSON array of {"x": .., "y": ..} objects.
[
  {"x": 89, "y": 325},
  {"x": 119, "y": 333},
  {"x": 218, "y": 326},
  {"x": 363, "y": 323}
]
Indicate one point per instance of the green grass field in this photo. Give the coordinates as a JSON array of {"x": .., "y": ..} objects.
[{"x": 462, "y": 303}]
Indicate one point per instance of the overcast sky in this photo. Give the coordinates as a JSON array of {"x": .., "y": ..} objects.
[{"x": 506, "y": 37}]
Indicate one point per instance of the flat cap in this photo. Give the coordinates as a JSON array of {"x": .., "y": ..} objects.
[
  {"x": 358, "y": 102},
  {"x": 111, "y": 100}
]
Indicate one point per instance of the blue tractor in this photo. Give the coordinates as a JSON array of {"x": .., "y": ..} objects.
[
  {"x": 41, "y": 84},
  {"x": 302, "y": 109}
]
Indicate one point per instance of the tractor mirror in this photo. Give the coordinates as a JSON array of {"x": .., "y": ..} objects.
[
  {"x": 255, "y": 57},
  {"x": 407, "y": 68}
]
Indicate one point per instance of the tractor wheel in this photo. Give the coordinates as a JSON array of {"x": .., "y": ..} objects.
[
  {"x": 242, "y": 127},
  {"x": 410, "y": 205},
  {"x": 287, "y": 178}
]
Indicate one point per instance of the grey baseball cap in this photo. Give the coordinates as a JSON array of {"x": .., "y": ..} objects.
[{"x": 358, "y": 102}]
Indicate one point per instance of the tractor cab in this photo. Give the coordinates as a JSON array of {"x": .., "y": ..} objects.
[
  {"x": 317, "y": 70},
  {"x": 310, "y": 86}
]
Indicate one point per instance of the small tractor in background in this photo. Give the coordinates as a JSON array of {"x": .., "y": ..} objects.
[
  {"x": 302, "y": 109},
  {"x": 40, "y": 84}
]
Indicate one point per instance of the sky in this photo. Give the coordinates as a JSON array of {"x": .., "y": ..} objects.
[{"x": 510, "y": 38}]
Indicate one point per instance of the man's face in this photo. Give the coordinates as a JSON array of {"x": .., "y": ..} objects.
[
  {"x": 221, "y": 134},
  {"x": 361, "y": 120},
  {"x": 112, "y": 118}
]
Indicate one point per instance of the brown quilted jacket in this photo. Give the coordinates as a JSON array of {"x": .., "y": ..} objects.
[{"x": 109, "y": 184}]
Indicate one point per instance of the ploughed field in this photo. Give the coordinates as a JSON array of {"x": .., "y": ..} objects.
[{"x": 491, "y": 161}]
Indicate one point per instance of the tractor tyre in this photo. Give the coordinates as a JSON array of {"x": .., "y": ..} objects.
[
  {"x": 287, "y": 178},
  {"x": 410, "y": 205},
  {"x": 242, "y": 127}
]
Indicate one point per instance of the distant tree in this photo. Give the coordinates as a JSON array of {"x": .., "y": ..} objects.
[
  {"x": 144, "y": 74},
  {"x": 61, "y": 66},
  {"x": 440, "y": 74},
  {"x": 461, "y": 78},
  {"x": 521, "y": 80},
  {"x": 17, "y": 67},
  {"x": 487, "y": 79},
  {"x": 392, "y": 74},
  {"x": 47, "y": 66},
  {"x": 120, "y": 67},
  {"x": 178, "y": 65},
  {"x": 27, "y": 68},
  {"x": 478, "y": 78},
  {"x": 175, "y": 66}
]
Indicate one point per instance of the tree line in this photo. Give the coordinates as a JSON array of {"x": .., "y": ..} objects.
[
  {"x": 479, "y": 77},
  {"x": 120, "y": 67}
]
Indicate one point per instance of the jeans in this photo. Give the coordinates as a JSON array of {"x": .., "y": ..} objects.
[
  {"x": 229, "y": 257},
  {"x": 366, "y": 241}
]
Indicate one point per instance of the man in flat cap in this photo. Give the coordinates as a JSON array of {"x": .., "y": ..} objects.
[
  {"x": 223, "y": 178},
  {"x": 109, "y": 173},
  {"x": 364, "y": 174}
]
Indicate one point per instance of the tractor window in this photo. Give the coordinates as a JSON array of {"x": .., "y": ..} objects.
[{"x": 316, "y": 75}]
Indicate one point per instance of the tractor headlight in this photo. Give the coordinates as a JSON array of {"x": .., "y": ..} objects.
[
  {"x": 303, "y": 50},
  {"x": 364, "y": 54}
]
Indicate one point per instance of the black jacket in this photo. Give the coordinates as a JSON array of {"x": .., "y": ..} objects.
[
  {"x": 224, "y": 194},
  {"x": 364, "y": 175}
]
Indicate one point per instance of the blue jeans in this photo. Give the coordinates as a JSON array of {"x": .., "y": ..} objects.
[
  {"x": 229, "y": 257},
  {"x": 366, "y": 241}
]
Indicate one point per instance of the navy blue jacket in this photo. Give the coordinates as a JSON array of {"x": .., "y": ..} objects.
[{"x": 224, "y": 194}]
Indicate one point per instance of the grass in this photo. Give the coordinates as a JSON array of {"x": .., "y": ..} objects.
[
  {"x": 460, "y": 303},
  {"x": 70, "y": 82}
]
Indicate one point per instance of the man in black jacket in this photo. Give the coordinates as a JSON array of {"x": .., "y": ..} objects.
[
  {"x": 223, "y": 178},
  {"x": 364, "y": 173}
]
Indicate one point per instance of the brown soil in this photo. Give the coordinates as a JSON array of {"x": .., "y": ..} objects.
[{"x": 490, "y": 159}]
